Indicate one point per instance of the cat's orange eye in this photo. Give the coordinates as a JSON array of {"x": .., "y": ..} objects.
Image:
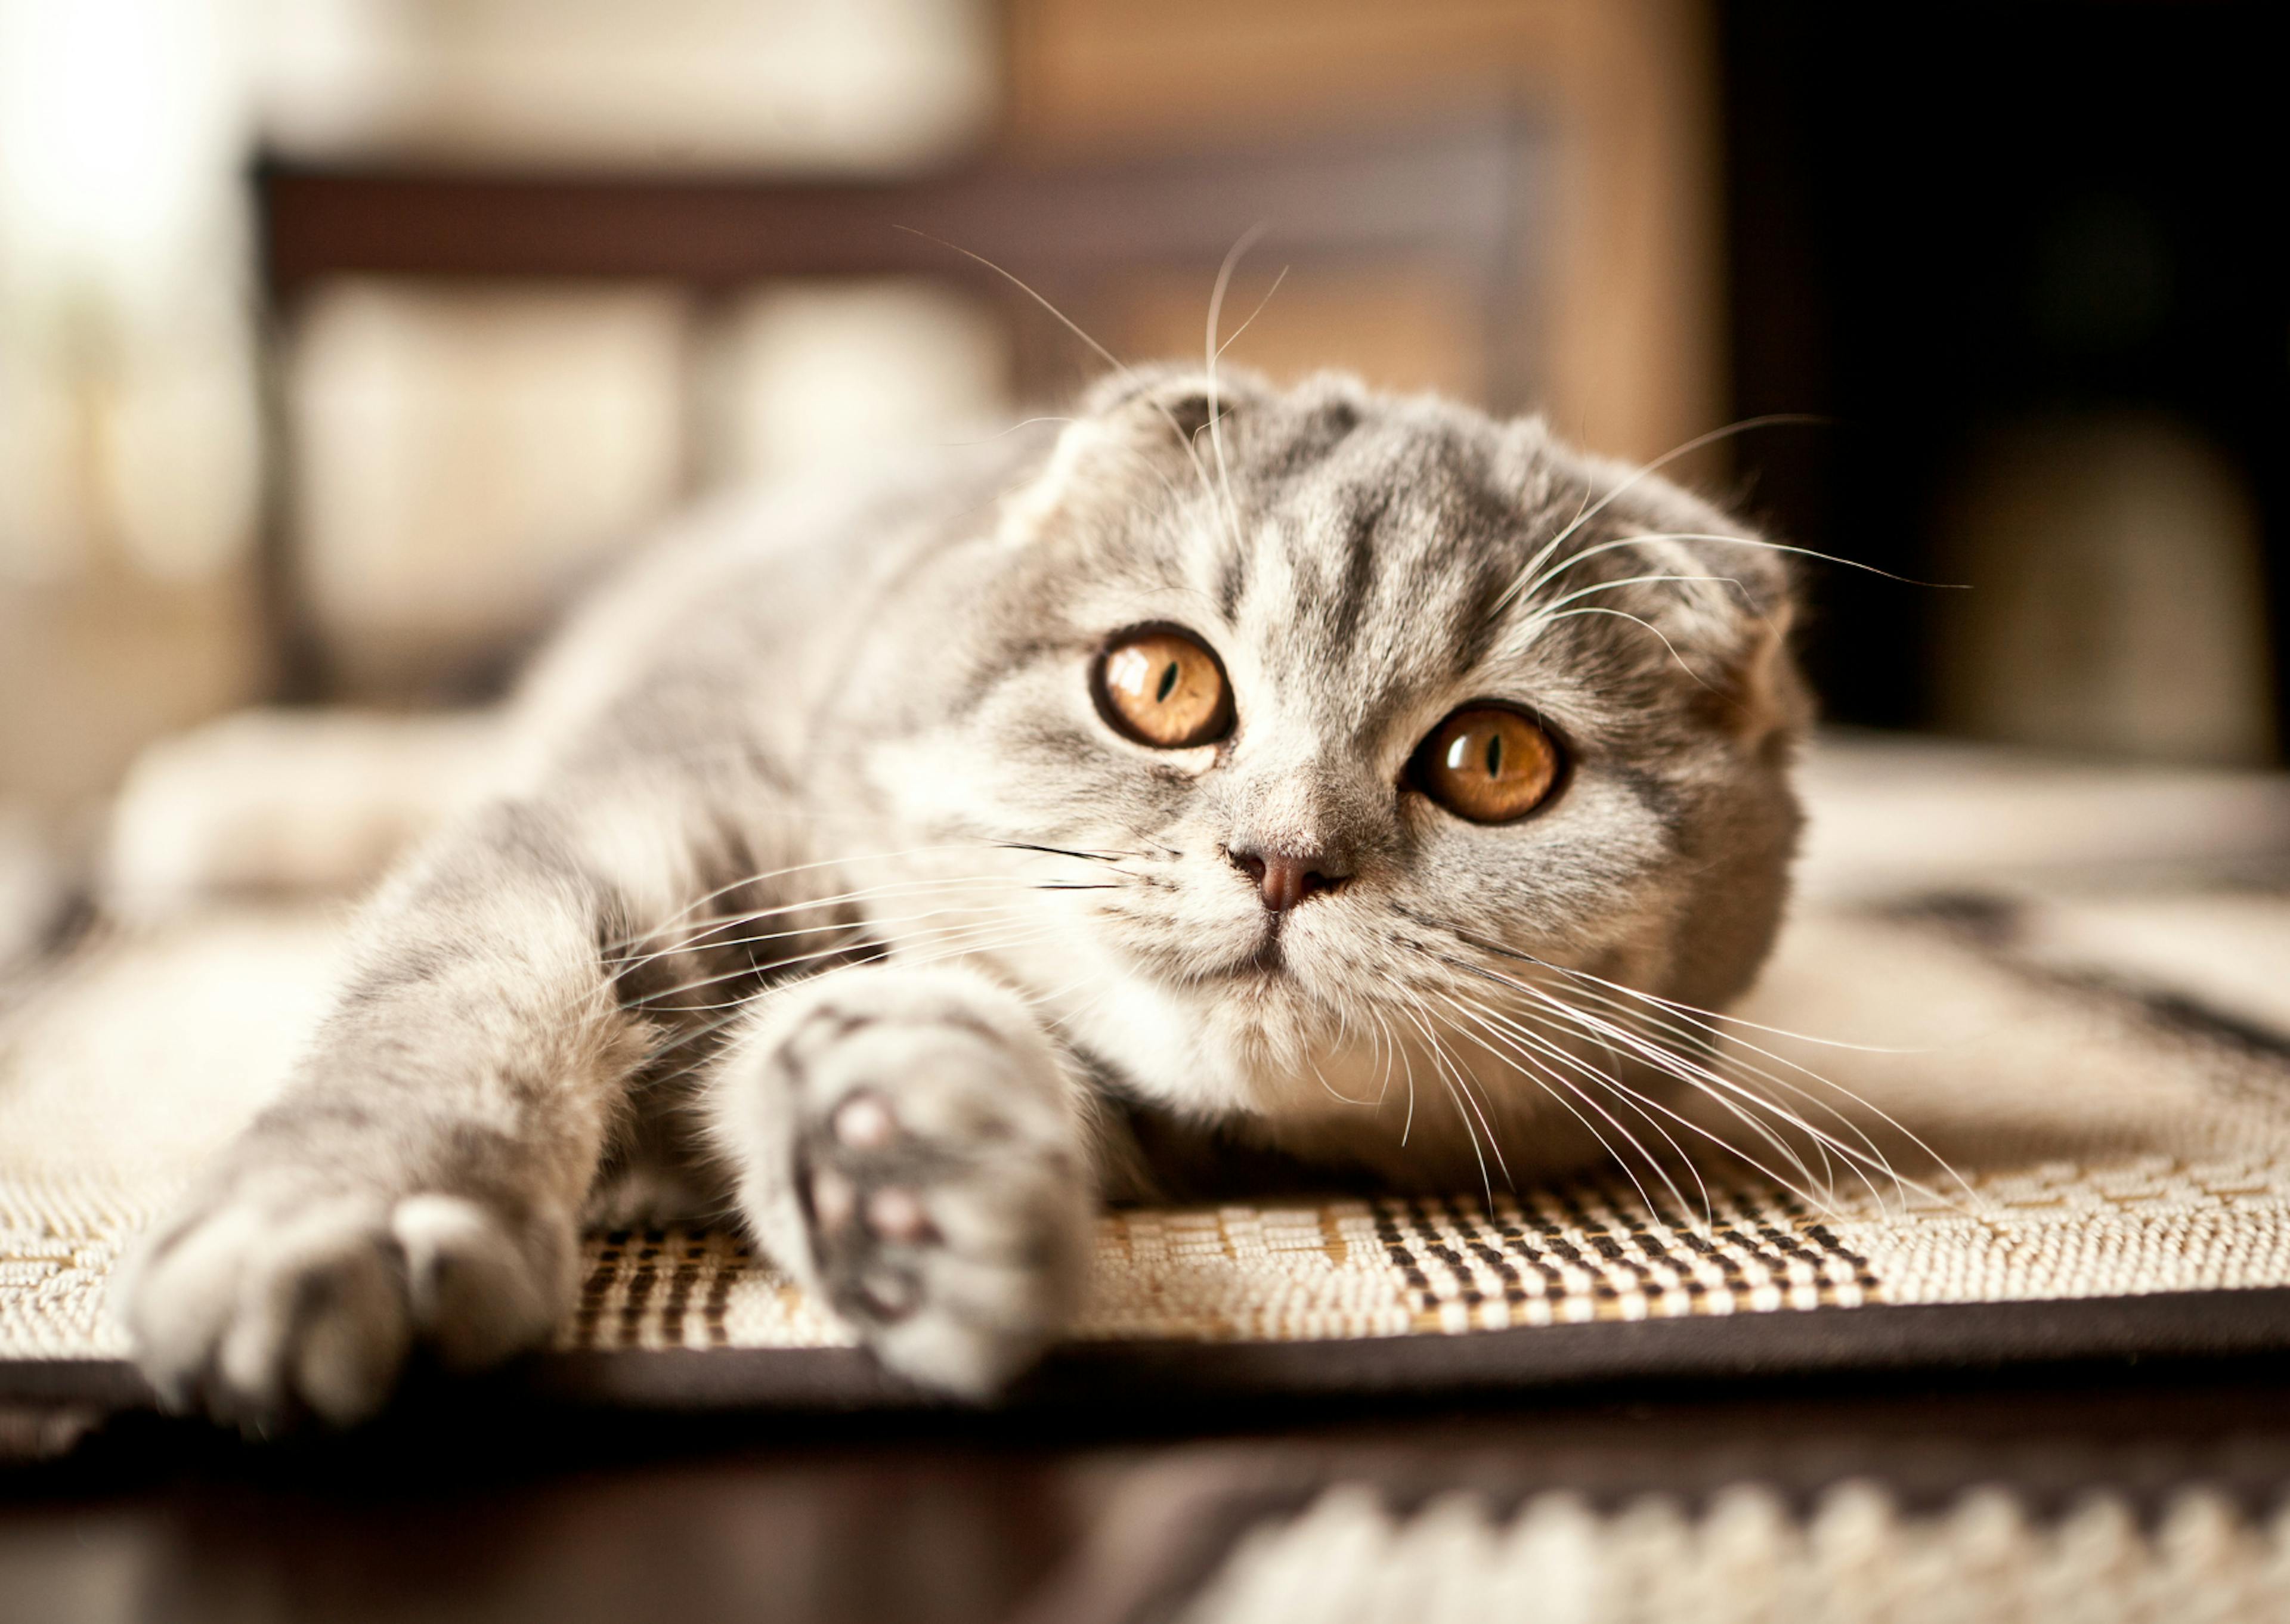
[
  {"x": 1487, "y": 763},
  {"x": 1163, "y": 687}
]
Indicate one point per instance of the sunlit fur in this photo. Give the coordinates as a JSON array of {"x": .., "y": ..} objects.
[
  {"x": 1355, "y": 568},
  {"x": 817, "y": 732}
]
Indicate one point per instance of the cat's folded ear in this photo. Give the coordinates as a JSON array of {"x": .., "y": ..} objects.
[
  {"x": 1143, "y": 428},
  {"x": 1178, "y": 401},
  {"x": 1752, "y": 691}
]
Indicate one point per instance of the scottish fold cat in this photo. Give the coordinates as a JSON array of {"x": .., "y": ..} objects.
[{"x": 1227, "y": 782}]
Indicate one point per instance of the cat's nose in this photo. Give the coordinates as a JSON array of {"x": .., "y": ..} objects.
[{"x": 1286, "y": 878}]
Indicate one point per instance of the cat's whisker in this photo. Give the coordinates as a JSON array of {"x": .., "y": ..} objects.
[
  {"x": 765, "y": 876},
  {"x": 606, "y": 991},
  {"x": 1728, "y": 1093},
  {"x": 1521, "y": 1042},
  {"x": 1214, "y": 349},
  {"x": 1590, "y": 1127},
  {"x": 1725, "y": 1091},
  {"x": 699, "y": 931},
  {"x": 1705, "y": 1042},
  {"x": 1539, "y": 1069},
  {"x": 1330, "y": 1088},
  {"x": 1702, "y": 1018},
  {"x": 1432, "y": 1043},
  {"x": 1716, "y": 1085},
  {"x": 1832, "y": 1108},
  {"x": 879, "y": 926},
  {"x": 699, "y": 940},
  {"x": 978, "y": 944},
  {"x": 1382, "y": 1038},
  {"x": 1356, "y": 1021},
  {"x": 1622, "y": 488},
  {"x": 679, "y": 1038},
  {"x": 1699, "y": 1015},
  {"x": 770, "y": 967},
  {"x": 1820, "y": 1189},
  {"x": 1623, "y": 614},
  {"x": 1575, "y": 559},
  {"x": 1701, "y": 1041},
  {"x": 1074, "y": 327},
  {"x": 1571, "y": 559},
  {"x": 1542, "y": 610},
  {"x": 737, "y": 1009},
  {"x": 1407, "y": 1063},
  {"x": 1463, "y": 1082},
  {"x": 1087, "y": 856},
  {"x": 695, "y": 931},
  {"x": 1233, "y": 337},
  {"x": 1388, "y": 1046},
  {"x": 981, "y": 937},
  {"x": 1815, "y": 1194},
  {"x": 1004, "y": 434}
]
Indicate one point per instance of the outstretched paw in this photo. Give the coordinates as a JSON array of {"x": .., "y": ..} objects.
[
  {"x": 936, "y": 1168},
  {"x": 279, "y": 1294}
]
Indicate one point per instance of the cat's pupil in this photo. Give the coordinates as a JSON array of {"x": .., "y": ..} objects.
[
  {"x": 1168, "y": 684},
  {"x": 1495, "y": 754}
]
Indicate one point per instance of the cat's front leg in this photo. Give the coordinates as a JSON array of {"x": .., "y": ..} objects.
[
  {"x": 417, "y": 1182},
  {"x": 911, "y": 1145}
]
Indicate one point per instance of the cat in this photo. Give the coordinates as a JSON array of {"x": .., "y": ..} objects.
[{"x": 1225, "y": 782}]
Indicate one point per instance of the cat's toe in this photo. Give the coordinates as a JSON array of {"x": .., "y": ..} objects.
[
  {"x": 958, "y": 1267},
  {"x": 896, "y": 1213},
  {"x": 261, "y": 1308},
  {"x": 481, "y": 1286},
  {"x": 320, "y": 1324},
  {"x": 865, "y": 1121},
  {"x": 946, "y": 1203},
  {"x": 968, "y": 1317},
  {"x": 256, "y": 1314}
]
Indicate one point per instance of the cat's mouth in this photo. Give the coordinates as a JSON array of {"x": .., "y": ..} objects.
[
  {"x": 1268, "y": 959},
  {"x": 1269, "y": 962}
]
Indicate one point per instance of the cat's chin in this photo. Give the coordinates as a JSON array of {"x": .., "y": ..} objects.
[
  {"x": 1203, "y": 1041},
  {"x": 1264, "y": 973}
]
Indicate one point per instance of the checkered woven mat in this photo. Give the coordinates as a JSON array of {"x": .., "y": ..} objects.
[{"x": 2099, "y": 1140}]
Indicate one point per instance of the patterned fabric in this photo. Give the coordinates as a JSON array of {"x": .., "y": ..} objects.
[
  {"x": 1576, "y": 1255},
  {"x": 2070, "y": 1140}
]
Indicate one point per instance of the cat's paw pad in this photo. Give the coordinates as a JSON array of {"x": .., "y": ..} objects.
[
  {"x": 938, "y": 1170},
  {"x": 274, "y": 1300}
]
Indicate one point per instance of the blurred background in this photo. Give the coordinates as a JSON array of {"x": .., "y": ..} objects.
[{"x": 340, "y": 340}]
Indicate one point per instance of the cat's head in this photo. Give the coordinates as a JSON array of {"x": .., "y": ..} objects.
[{"x": 1372, "y": 714}]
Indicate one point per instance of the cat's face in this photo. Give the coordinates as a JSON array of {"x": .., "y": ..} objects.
[{"x": 1352, "y": 743}]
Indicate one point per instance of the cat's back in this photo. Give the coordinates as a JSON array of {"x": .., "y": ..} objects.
[{"x": 767, "y": 584}]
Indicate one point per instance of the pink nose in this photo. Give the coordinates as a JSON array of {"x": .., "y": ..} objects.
[{"x": 1284, "y": 879}]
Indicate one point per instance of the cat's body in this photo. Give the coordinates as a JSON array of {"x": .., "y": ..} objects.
[{"x": 836, "y": 885}]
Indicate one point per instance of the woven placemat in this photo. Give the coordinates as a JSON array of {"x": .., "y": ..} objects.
[
  {"x": 2075, "y": 1143},
  {"x": 1579, "y": 1254}
]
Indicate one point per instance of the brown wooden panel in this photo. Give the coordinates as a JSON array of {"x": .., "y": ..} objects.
[{"x": 1459, "y": 192}]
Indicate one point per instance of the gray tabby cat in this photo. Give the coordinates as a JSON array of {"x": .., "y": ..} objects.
[{"x": 1234, "y": 779}]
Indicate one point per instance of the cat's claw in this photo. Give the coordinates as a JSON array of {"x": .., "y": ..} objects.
[
  {"x": 276, "y": 1298},
  {"x": 936, "y": 1172}
]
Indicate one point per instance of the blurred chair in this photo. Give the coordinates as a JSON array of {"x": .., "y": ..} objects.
[
  {"x": 491, "y": 382},
  {"x": 518, "y": 314}
]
